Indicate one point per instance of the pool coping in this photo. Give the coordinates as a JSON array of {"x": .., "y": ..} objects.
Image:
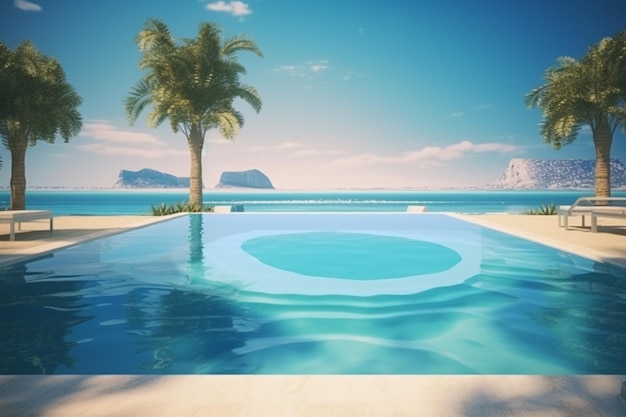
[
  {"x": 585, "y": 252},
  {"x": 575, "y": 249},
  {"x": 311, "y": 395},
  {"x": 37, "y": 250}
]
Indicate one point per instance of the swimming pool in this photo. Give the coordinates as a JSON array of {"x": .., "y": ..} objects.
[{"x": 255, "y": 293}]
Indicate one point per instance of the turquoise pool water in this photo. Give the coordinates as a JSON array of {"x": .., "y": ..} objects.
[
  {"x": 356, "y": 256},
  {"x": 312, "y": 294}
]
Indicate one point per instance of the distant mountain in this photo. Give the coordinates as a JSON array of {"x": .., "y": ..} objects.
[
  {"x": 244, "y": 179},
  {"x": 557, "y": 174},
  {"x": 149, "y": 178}
]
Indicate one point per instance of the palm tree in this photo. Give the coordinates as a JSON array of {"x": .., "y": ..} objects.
[
  {"x": 193, "y": 85},
  {"x": 590, "y": 92},
  {"x": 37, "y": 104}
]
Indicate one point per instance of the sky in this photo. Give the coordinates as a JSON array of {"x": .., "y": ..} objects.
[{"x": 356, "y": 94}]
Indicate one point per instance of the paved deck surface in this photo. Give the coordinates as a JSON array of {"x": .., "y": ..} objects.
[{"x": 295, "y": 396}]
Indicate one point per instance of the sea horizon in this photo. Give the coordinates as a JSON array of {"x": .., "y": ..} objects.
[
  {"x": 111, "y": 201},
  {"x": 485, "y": 188}
]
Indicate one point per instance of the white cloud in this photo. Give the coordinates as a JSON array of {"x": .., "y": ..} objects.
[
  {"x": 293, "y": 70},
  {"x": 290, "y": 145},
  {"x": 352, "y": 75},
  {"x": 107, "y": 132},
  {"x": 306, "y": 70},
  {"x": 429, "y": 154},
  {"x": 318, "y": 67},
  {"x": 106, "y": 149},
  {"x": 27, "y": 6},
  {"x": 293, "y": 149},
  {"x": 236, "y": 8},
  {"x": 301, "y": 153},
  {"x": 110, "y": 140},
  {"x": 457, "y": 114}
]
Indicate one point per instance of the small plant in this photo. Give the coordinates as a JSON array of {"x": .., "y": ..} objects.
[
  {"x": 544, "y": 210},
  {"x": 183, "y": 207}
]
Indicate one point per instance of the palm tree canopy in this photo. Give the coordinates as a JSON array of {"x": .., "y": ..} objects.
[
  {"x": 37, "y": 102},
  {"x": 590, "y": 91},
  {"x": 192, "y": 84}
]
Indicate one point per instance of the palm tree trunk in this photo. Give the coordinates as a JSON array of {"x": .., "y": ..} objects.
[
  {"x": 18, "y": 174},
  {"x": 602, "y": 138},
  {"x": 195, "y": 142}
]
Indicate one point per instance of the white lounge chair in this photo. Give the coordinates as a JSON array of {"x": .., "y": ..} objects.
[
  {"x": 222, "y": 209},
  {"x": 581, "y": 207},
  {"x": 237, "y": 208},
  {"x": 616, "y": 212},
  {"x": 20, "y": 216},
  {"x": 594, "y": 207},
  {"x": 416, "y": 209}
]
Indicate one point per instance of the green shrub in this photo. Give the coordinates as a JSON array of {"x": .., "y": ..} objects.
[
  {"x": 544, "y": 210},
  {"x": 183, "y": 207}
]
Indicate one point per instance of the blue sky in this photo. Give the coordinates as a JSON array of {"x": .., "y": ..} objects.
[{"x": 356, "y": 94}]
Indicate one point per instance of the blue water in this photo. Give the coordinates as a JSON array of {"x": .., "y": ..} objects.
[
  {"x": 310, "y": 253},
  {"x": 131, "y": 202},
  {"x": 201, "y": 294}
]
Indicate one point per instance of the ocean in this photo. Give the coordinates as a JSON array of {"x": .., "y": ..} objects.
[{"x": 132, "y": 202}]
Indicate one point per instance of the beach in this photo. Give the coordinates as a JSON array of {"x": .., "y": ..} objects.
[{"x": 310, "y": 395}]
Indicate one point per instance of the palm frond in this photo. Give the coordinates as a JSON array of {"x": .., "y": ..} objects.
[
  {"x": 534, "y": 97},
  {"x": 155, "y": 35},
  {"x": 229, "y": 123},
  {"x": 240, "y": 43},
  {"x": 139, "y": 98},
  {"x": 251, "y": 96}
]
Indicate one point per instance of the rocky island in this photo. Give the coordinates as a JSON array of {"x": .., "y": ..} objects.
[
  {"x": 244, "y": 179},
  {"x": 149, "y": 178},
  {"x": 529, "y": 174}
]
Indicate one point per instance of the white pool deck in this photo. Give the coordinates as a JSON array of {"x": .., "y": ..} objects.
[{"x": 306, "y": 395}]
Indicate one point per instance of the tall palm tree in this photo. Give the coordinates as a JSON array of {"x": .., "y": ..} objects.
[
  {"x": 590, "y": 91},
  {"x": 37, "y": 104},
  {"x": 192, "y": 84}
]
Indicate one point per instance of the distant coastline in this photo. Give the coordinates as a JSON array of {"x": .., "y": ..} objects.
[
  {"x": 340, "y": 189},
  {"x": 521, "y": 174}
]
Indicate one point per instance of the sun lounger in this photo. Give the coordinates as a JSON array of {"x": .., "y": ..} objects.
[
  {"x": 614, "y": 212},
  {"x": 565, "y": 212},
  {"x": 20, "y": 216},
  {"x": 237, "y": 208},
  {"x": 222, "y": 209},
  {"x": 416, "y": 209},
  {"x": 594, "y": 207}
]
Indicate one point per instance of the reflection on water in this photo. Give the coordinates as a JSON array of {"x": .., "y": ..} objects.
[
  {"x": 196, "y": 248},
  {"x": 589, "y": 320},
  {"x": 184, "y": 331},
  {"x": 34, "y": 321}
]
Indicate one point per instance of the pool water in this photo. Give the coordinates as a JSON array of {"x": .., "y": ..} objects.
[
  {"x": 312, "y": 294},
  {"x": 356, "y": 256}
]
